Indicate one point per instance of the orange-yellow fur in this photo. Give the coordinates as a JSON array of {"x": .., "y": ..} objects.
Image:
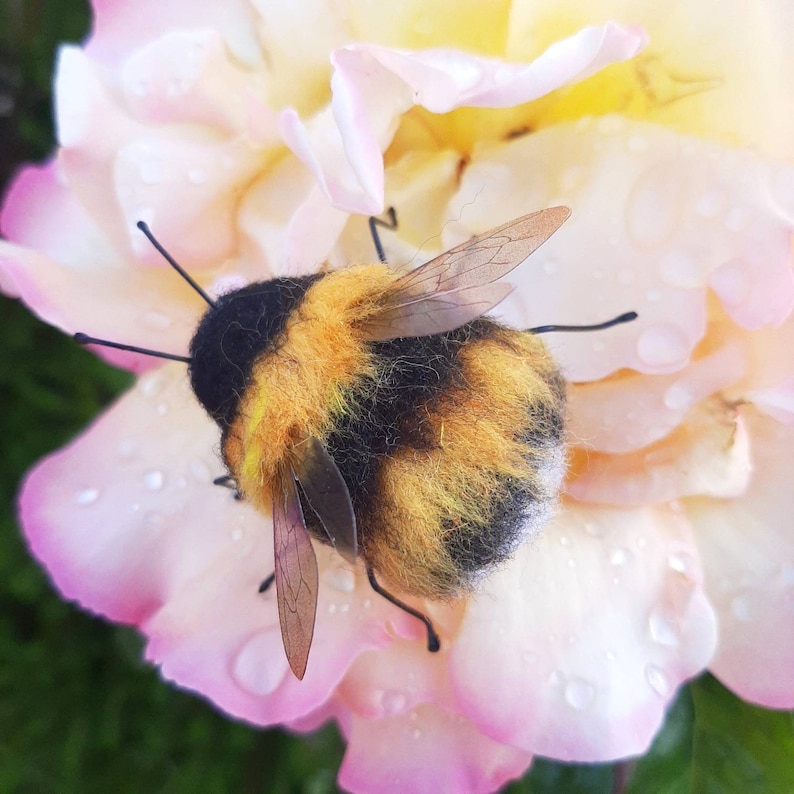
[
  {"x": 301, "y": 386},
  {"x": 476, "y": 428}
]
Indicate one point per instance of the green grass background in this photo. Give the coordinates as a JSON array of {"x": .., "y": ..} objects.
[{"x": 80, "y": 712}]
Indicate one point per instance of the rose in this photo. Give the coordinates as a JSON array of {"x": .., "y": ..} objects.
[{"x": 672, "y": 520}]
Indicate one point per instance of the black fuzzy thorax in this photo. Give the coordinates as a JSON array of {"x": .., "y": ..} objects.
[{"x": 232, "y": 334}]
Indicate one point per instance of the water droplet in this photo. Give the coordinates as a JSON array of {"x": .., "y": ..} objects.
[
  {"x": 681, "y": 562},
  {"x": 332, "y": 609},
  {"x": 742, "y": 607},
  {"x": 367, "y": 603},
  {"x": 393, "y": 702},
  {"x": 199, "y": 471},
  {"x": 663, "y": 628},
  {"x": 657, "y": 680},
  {"x": 416, "y": 734},
  {"x": 151, "y": 172},
  {"x": 87, "y": 496},
  {"x": 598, "y": 346},
  {"x": 678, "y": 397},
  {"x": 260, "y": 666},
  {"x": 345, "y": 607},
  {"x": 550, "y": 267},
  {"x": 680, "y": 269},
  {"x": 153, "y": 519},
  {"x": 710, "y": 204},
  {"x": 641, "y": 542},
  {"x": 153, "y": 480},
  {"x": 162, "y": 408},
  {"x": 579, "y": 694},
  {"x": 594, "y": 528},
  {"x": 625, "y": 276},
  {"x": 653, "y": 295},
  {"x": 151, "y": 385},
  {"x": 126, "y": 448},
  {"x": 341, "y": 579},
  {"x": 529, "y": 658},
  {"x": 156, "y": 320},
  {"x": 620, "y": 556},
  {"x": 610, "y": 125},
  {"x": 197, "y": 176},
  {"x": 565, "y": 540},
  {"x": 663, "y": 345},
  {"x": 237, "y": 534}
]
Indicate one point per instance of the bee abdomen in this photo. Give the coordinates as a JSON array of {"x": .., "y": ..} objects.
[{"x": 453, "y": 456}]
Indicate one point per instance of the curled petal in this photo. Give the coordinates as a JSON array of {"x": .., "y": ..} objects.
[
  {"x": 588, "y": 637},
  {"x": 748, "y": 558},
  {"x": 374, "y": 85},
  {"x": 708, "y": 455}
]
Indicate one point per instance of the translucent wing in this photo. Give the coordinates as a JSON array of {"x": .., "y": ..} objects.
[
  {"x": 296, "y": 575},
  {"x": 327, "y": 494},
  {"x": 457, "y": 286}
]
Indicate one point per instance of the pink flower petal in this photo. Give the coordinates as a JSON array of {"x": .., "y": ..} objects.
[
  {"x": 748, "y": 556},
  {"x": 425, "y": 750},
  {"x": 121, "y": 27},
  {"x": 709, "y": 455},
  {"x": 73, "y": 278},
  {"x": 584, "y": 639},
  {"x": 189, "y": 76},
  {"x": 680, "y": 214},
  {"x": 116, "y": 516},
  {"x": 373, "y": 85}
]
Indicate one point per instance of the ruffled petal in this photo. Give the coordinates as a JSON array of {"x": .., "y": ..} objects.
[
  {"x": 584, "y": 639},
  {"x": 709, "y": 455},
  {"x": 658, "y": 219},
  {"x": 373, "y": 85},
  {"x": 748, "y": 557},
  {"x": 425, "y": 750}
]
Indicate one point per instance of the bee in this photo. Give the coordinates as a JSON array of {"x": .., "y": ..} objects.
[{"x": 384, "y": 414}]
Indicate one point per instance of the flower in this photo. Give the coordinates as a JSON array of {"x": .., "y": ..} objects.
[{"x": 253, "y": 138}]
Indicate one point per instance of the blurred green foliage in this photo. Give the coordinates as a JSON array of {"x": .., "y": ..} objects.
[{"x": 80, "y": 712}]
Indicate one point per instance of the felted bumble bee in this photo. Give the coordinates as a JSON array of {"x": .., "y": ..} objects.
[{"x": 384, "y": 415}]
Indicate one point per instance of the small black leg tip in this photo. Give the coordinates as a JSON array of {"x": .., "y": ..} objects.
[
  {"x": 267, "y": 583},
  {"x": 433, "y": 643}
]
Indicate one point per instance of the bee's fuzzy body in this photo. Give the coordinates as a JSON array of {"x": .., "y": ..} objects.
[{"x": 450, "y": 444}]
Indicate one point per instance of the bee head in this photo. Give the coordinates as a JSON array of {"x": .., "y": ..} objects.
[{"x": 238, "y": 328}]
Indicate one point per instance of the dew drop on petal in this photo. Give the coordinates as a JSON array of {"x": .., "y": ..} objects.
[
  {"x": 237, "y": 534},
  {"x": 657, "y": 680},
  {"x": 742, "y": 607},
  {"x": 663, "y": 628},
  {"x": 579, "y": 694},
  {"x": 680, "y": 269},
  {"x": 550, "y": 267},
  {"x": 662, "y": 346},
  {"x": 732, "y": 282},
  {"x": 197, "y": 176},
  {"x": 678, "y": 397},
  {"x": 594, "y": 528},
  {"x": 332, "y": 609},
  {"x": 620, "y": 556},
  {"x": 153, "y": 479},
  {"x": 126, "y": 448},
  {"x": 151, "y": 173},
  {"x": 710, "y": 204},
  {"x": 340, "y": 579},
  {"x": 416, "y": 734},
  {"x": 87, "y": 496},
  {"x": 260, "y": 667},
  {"x": 681, "y": 562},
  {"x": 162, "y": 408},
  {"x": 393, "y": 702}
]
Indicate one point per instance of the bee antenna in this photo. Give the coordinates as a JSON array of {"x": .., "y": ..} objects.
[
  {"x": 171, "y": 261},
  {"x": 84, "y": 339},
  {"x": 391, "y": 224},
  {"x": 433, "y": 643},
  {"x": 623, "y": 318}
]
